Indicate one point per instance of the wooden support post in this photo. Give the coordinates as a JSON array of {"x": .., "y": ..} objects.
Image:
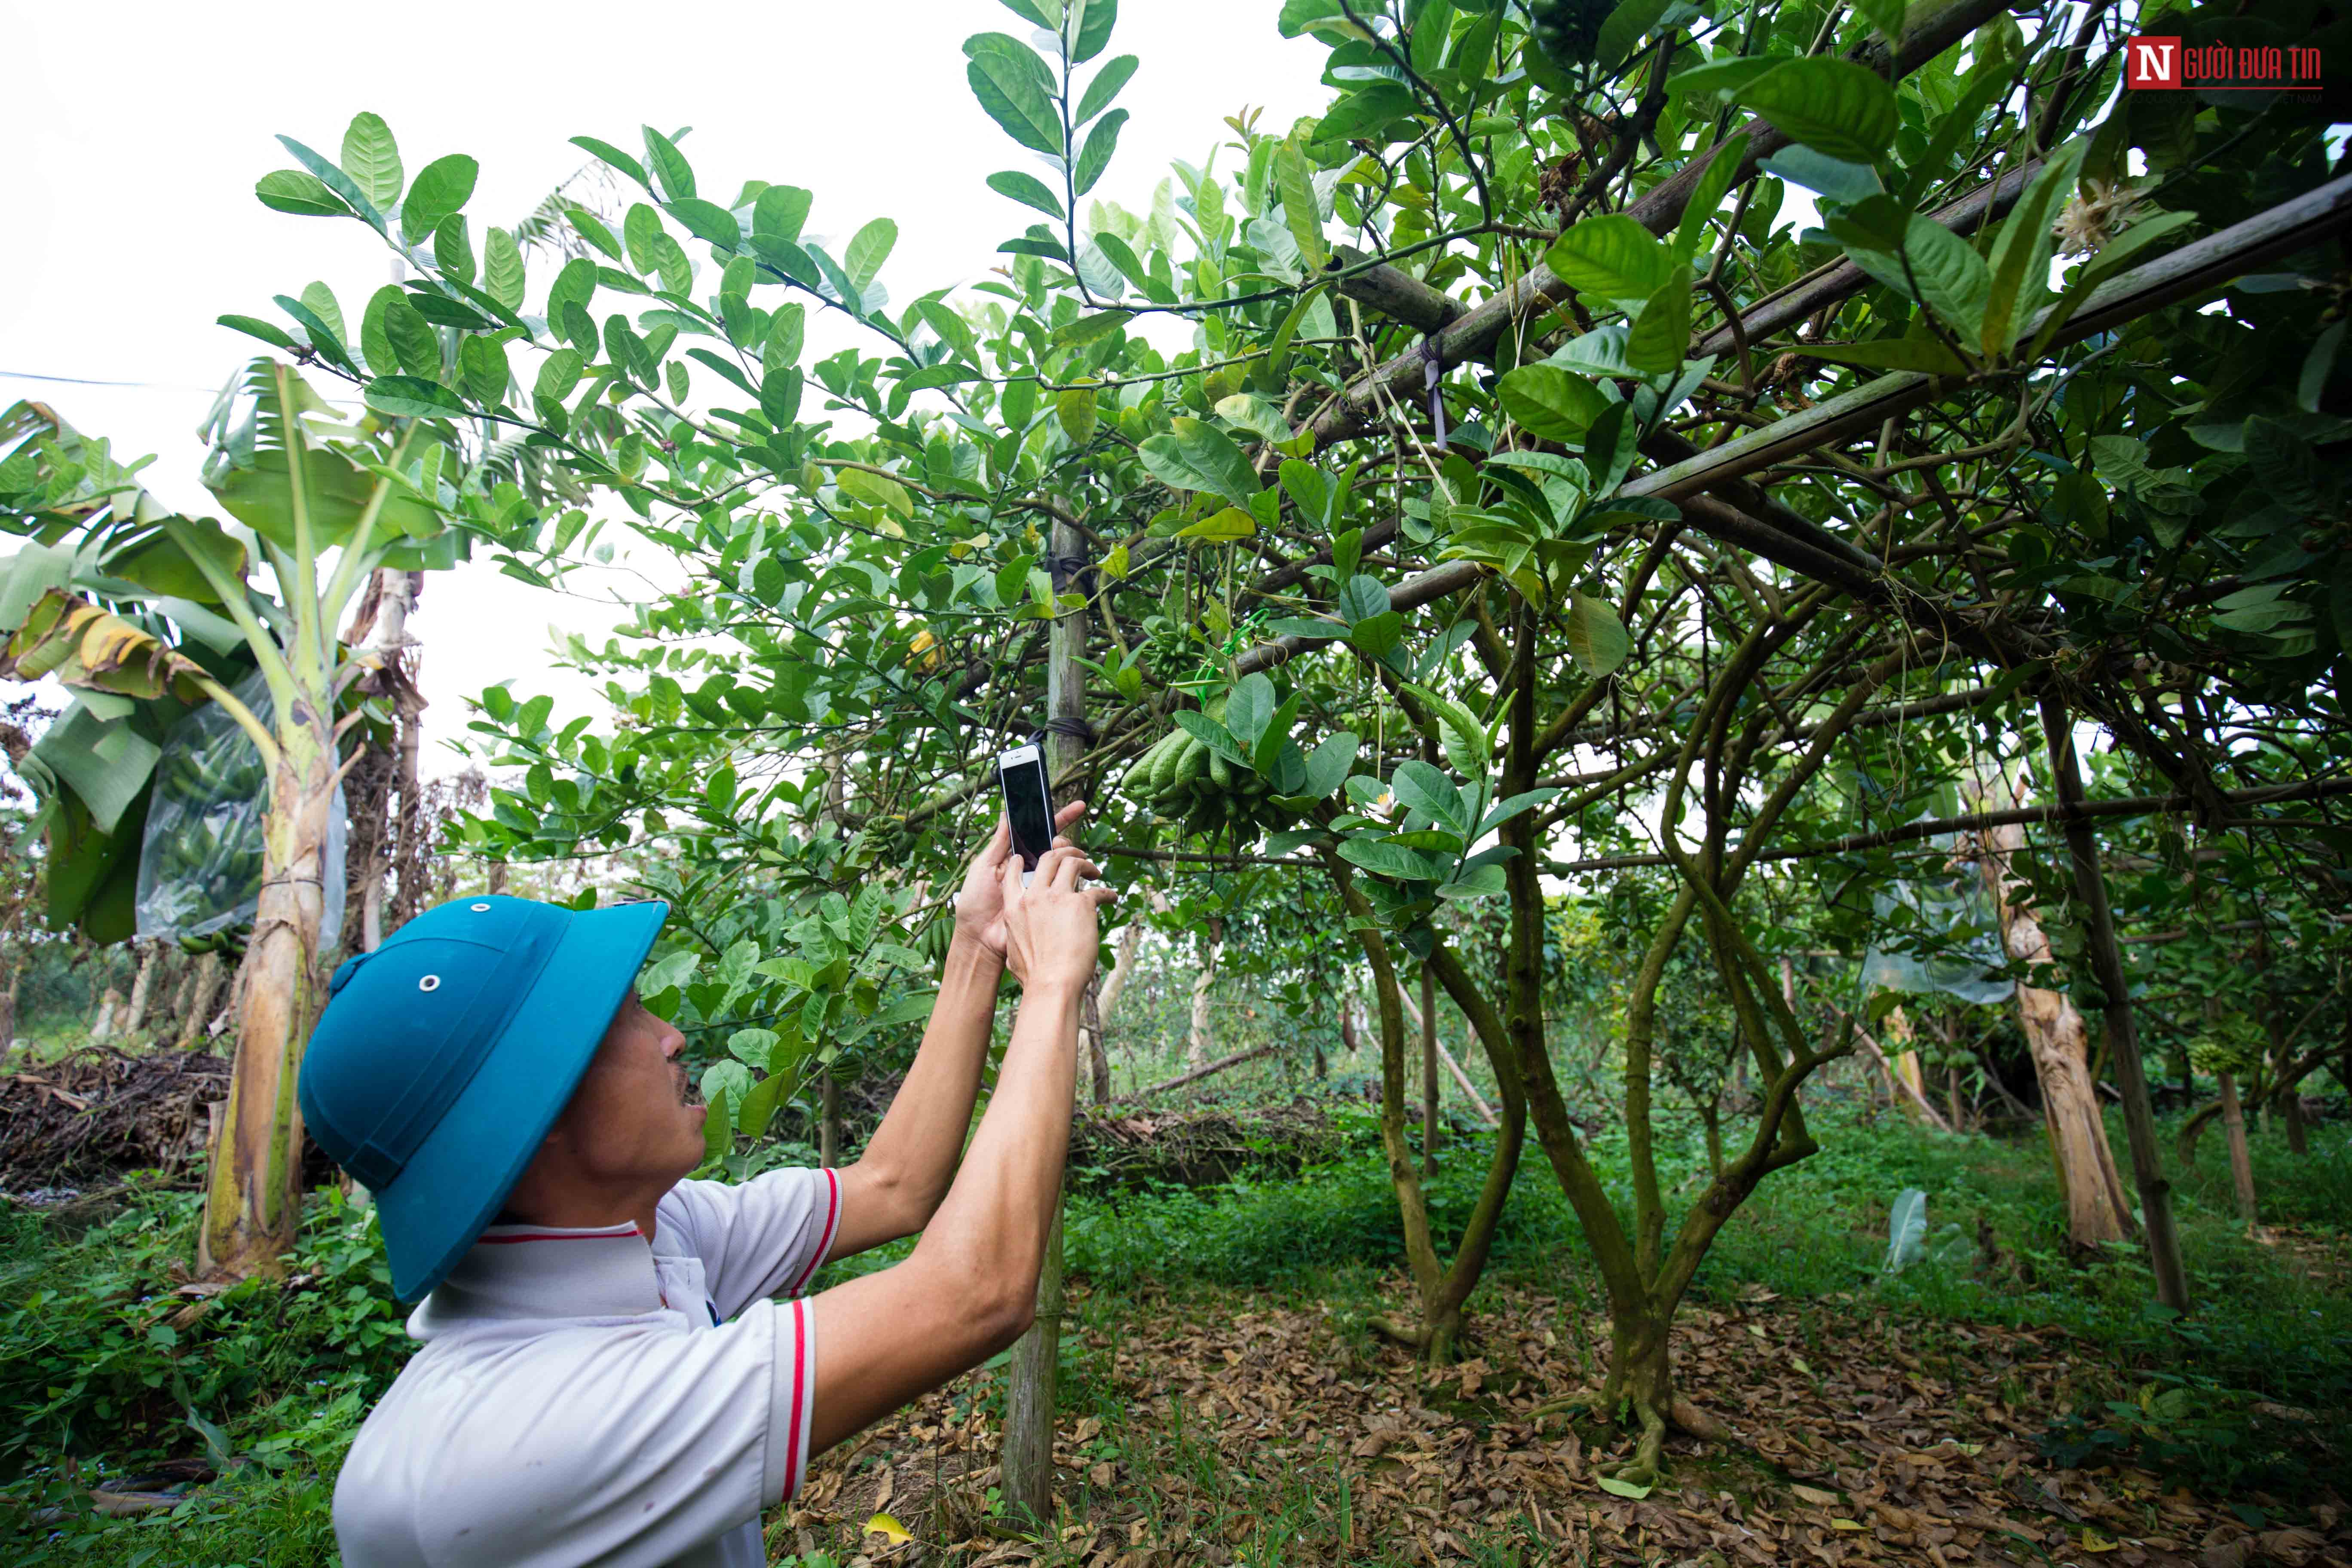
[
  {"x": 1028, "y": 1462},
  {"x": 2123, "y": 1025},
  {"x": 2241, "y": 1164},
  {"x": 1428, "y": 1072}
]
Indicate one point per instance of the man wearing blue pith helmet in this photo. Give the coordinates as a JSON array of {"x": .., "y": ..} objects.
[{"x": 608, "y": 1372}]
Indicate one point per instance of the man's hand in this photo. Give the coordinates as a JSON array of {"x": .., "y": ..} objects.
[
  {"x": 980, "y": 906},
  {"x": 1051, "y": 932}
]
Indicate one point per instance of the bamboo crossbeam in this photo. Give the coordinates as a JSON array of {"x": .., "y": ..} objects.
[
  {"x": 2280, "y": 231},
  {"x": 1927, "y": 31}
]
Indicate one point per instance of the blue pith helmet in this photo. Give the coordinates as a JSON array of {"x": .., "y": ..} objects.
[{"x": 446, "y": 1054}]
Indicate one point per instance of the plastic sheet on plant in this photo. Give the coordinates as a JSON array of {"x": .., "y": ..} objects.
[{"x": 200, "y": 862}]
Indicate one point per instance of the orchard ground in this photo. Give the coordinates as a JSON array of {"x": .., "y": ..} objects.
[{"x": 1225, "y": 1398}]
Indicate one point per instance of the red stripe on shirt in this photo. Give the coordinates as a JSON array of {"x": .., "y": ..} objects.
[
  {"x": 800, "y": 1380},
  {"x": 832, "y": 1224}
]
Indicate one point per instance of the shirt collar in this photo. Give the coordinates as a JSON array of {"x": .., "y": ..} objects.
[{"x": 521, "y": 1272}]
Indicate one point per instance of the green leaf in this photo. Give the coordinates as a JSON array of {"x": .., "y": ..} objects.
[
  {"x": 1104, "y": 87},
  {"x": 560, "y": 374},
  {"x": 869, "y": 248},
  {"x": 1596, "y": 638},
  {"x": 671, "y": 171},
  {"x": 591, "y": 228},
  {"x": 1233, "y": 522},
  {"x": 1612, "y": 257},
  {"x": 780, "y": 395},
  {"x": 323, "y": 336},
  {"x": 1028, "y": 190},
  {"x": 1086, "y": 329},
  {"x": 334, "y": 179},
  {"x": 1255, "y": 415},
  {"x": 641, "y": 231},
  {"x": 1365, "y": 114},
  {"x": 371, "y": 159},
  {"x": 876, "y": 490},
  {"x": 1622, "y": 1488},
  {"x": 780, "y": 212},
  {"x": 1954, "y": 281},
  {"x": 1818, "y": 172},
  {"x": 2020, "y": 257},
  {"x": 707, "y": 221},
  {"x": 1211, "y": 734},
  {"x": 1891, "y": 353},
  {"x": 267, "y": 332},
  {"x": 1484, "y": 882},
  {"x": 1510, "y": 806},
  {"x": 1015, "y": 89},
  {"x": 1327, "y": 766},
  {"x": 412, "y": 397},
  {"x": 1197, "y": 456},
  {"x": 322, "y": 303},
  {"x": 786, "y": 328},
  {"x": 1466, "y": 746},
  {"x": 1426, "y": 790},
  {"x": 1624, "y": 28},
  {"x": 453, "y": 249},
  {"x": 1546, "y": 401},
  {"x": 502, "y": 268},
  {"x": 1362, "y": 597},
  {"x": 616, "y": 157},
  {"x": 167, "y": 566},
  {"x": 1391, "y": 860},
  {"x": 1095, "y": 156},
  {"x": 1833, "y": 106},
  {"x": 1074, "y": 408},
  {"x": 1294, "y": 181},
  {"x": 305, "y": 195},
  {"x": 1721, "y": 78},
  {"x": 1714, "y": 181},
  {"x": 1662, "y": 330},
  {"x": 1094, "y": 30},
  {"x": 440, "y": 188},
  {"x": 1249, "y": 709},
  {"x": 414, "y": 343},
  {"x": 482, "y": 365}
]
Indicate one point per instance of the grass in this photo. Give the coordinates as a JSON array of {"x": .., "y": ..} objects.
[{"x": 96, "y": 1380}]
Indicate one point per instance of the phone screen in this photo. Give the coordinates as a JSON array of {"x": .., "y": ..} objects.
[{"x": 1028, "y": 802}]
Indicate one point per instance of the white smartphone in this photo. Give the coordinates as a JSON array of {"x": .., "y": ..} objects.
[{"x": 1028, "y": 805}]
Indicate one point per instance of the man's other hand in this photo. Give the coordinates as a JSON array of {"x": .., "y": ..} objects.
[
  {"x": 979, "y": 905},
  {"x": 1051, "y": 934}
]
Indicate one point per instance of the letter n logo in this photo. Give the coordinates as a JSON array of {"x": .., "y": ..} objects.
[{"x": 2152, "y": 62}]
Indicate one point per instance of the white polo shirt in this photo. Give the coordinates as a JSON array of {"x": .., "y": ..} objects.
[{"x": 584, "y": 1396}]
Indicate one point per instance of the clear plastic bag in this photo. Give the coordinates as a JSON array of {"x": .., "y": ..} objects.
[
  {"x": 1949, "y": 943},
  {"x": 200, "y": 862}
]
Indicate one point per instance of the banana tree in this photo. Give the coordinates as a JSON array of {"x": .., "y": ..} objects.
[{"x": 145, "y": 612}]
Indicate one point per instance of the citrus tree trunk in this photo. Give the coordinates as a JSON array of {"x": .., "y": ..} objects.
[
  {"x": 1443, "y": 1288},
  {"x": 252, "y": 1200}
]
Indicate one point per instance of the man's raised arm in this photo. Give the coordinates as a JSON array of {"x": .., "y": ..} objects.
[
  {"x": 970, "y": 1287},
  {"x": 899, "y": 1182}
]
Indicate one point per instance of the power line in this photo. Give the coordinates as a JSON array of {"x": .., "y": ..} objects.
[{"x": 84, "y": 381}]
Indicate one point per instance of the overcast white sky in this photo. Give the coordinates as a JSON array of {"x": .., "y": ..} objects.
[{"x": 138, "y": 131}]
